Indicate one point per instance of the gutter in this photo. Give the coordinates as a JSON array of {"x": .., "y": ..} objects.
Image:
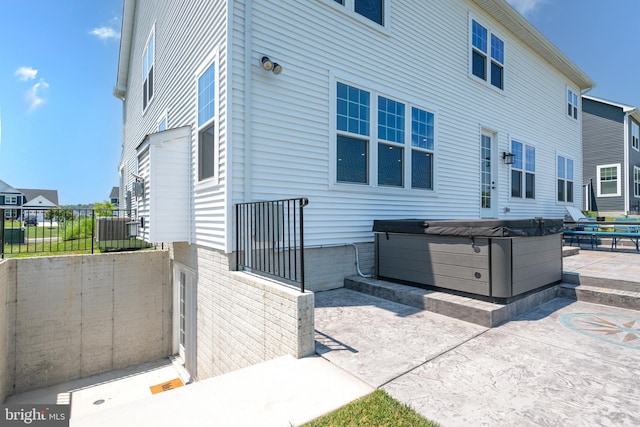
[{"x": 126, "y": 40}]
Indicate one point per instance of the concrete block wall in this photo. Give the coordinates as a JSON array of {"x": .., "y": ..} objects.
[
  {"x": 326, "y": 268},
  {"x": 7, "y": 275},
  {"x": 243, "y": 319},
  {"x": 76, "y": 316}
]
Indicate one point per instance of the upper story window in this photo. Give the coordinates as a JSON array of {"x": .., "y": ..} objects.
[
  {"x": 487, "y": 55},
  {"x": 206, "y": 112},
  {"x": 572, "y": 104},
  {"x": 148, "y": 61},
  {"x": 403, "y": 159},
  {"x": 370, "y": 9},
  {"x": 162, "y": 123},
  {"x": 635, "y": 136},
  {"x": 608, "y": 180},
  {"x": 523, "y": 171},
  {"x": 565, "y": 179},
  {"x": 10, "y": 200}
]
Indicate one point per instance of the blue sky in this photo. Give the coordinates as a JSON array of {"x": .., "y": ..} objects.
[{"x": 61, "y": 128}]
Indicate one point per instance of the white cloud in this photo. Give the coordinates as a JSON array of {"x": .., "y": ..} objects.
[
  {"x": 105, "y": 33},
  {"x": 34, "y": 95},
  {"x": 25, "y": 73},
  {"x": 525, "y": 7}
]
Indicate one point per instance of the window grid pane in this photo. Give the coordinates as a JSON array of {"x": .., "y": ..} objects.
[
  {"x": 390, "y": 120},
  {"x": 206, "y": 95},
  {"x": 516, "y": 150},
  {"x": 390, "y": 165},
  {"x": 422, "y": 129},
  {"x": 421, "y": 170},
  {"x": 530, "y": 159},
  {"x": 352, "y": 110},
  {"x": 561, "y": 166},
  {"x": 206, "y": 153},
  {"x": 479, "y": 37},
  {"x": 352, "y": 160},
  {"x": 497, "y": 49},
  {"x": 370, "y": 9}
]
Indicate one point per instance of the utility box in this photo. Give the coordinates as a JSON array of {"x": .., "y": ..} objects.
[{"x": 14, "y": 236}]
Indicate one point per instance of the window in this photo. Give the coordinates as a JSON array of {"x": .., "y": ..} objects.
[
  {"x": 353, "y": 113},
  {"x": 10, "y": 200},
  {"x": 148, "y": 61},
  {"x": 565, "y": 179},
  {"x": 636, "y": 181},
  {"x": 207, "y": 158},
  {"x": 404, "y": 158},
  {"x": 523, "y": 177},
  {"x": 162, "y": 123},
  {"x": 635, "y": 136},
  {"x": 572, "y": 104},
  {"x": 487, "y": 67},
  {"x": 608, "y": 180},
  {"x": 370, "y": 9}
]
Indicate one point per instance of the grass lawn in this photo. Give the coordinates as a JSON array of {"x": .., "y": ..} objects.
[{"x": 377, "y": 409}]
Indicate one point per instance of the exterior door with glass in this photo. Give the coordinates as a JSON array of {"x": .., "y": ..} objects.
[{"x": 488, "y": 208}]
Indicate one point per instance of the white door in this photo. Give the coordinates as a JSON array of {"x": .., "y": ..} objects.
[
  {"x": 184, "y": 324},
  {"x": 488, "y": 160}
]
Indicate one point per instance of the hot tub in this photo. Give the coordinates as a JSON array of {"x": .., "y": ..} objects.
[{"x": 493, "y": 258}]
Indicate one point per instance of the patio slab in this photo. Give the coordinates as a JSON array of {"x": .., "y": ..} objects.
[{"x": 566, "y": 363}]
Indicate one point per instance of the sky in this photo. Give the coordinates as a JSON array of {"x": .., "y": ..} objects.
[{"x": 61, "y": 127}]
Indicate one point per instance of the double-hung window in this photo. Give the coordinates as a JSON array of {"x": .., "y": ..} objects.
[
  {"x": 608, "y": 180},
  {"x": 635, "y": 136},
  {"x": 565, "y": 179},
  {"x": 523, "y": 171},
  {"x": 572, "y": 104},
  {"x": 353, "y": 122},
  {"x": 404, "y": 157},
  {"x": 636, "y": 181},
  {"x": 370, "y": 9},
  {"x": 487, "y": 55},
  {"x": 206, "y": 114},
  {"x": 148, "y": 61}
]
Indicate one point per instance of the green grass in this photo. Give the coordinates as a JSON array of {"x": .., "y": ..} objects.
[{"x": 377, "y": 409}]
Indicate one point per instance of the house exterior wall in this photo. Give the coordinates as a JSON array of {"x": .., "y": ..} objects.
[
  {"x": 74, "y": 316},
  {"x": 603, "y": 144},
  {"x": 634, "y": 162},
  {"x": 290, "y": 124},
  {"x": 243, "y": 319}
]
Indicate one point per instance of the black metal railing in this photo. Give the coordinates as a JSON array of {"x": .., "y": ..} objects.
[
  {"x": 270, "y": 238},
  {"x": 54, "y": 231}
]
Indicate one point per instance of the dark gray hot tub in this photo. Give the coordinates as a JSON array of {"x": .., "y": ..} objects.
[{"x": 494, "y": 258}]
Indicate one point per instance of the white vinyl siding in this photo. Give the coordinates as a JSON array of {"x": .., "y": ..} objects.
[{"x": 185, "y": 35}]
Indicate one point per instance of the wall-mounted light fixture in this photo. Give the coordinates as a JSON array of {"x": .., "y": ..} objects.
[
  {"x": 508, "y": 158},
  {"x": 269, "y": 65}
]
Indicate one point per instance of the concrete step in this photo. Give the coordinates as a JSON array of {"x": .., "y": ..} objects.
[
  {"x": 570, "y": 250},
  {"x": 605, "y": 295},
  {"x": 480, "y": 312}
]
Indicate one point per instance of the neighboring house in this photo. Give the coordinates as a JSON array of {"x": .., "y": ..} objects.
[
  {"x": 38, "y": 201},
  {"x": 11, "y": 200},
  {"x": 114, "y": 197},
  {"x": 371, "y": 110},
  {"x": 611, "y": 155}
]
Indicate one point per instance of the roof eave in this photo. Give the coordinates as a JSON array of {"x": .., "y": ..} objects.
[
  {"x": 126, "y": 40},
  {"x": 528, "y": 34}
]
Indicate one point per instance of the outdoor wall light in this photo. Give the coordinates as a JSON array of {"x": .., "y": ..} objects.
[
  {"x": 508, "y": 158},
  {"x": 269, "y": 65}
]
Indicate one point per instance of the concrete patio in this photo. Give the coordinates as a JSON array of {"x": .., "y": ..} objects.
[{"x": 565, "y": 362}]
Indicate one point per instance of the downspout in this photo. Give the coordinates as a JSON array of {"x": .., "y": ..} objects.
[
  {"x": 625, "y": 165},
  {"x": 248, "y": 107}
]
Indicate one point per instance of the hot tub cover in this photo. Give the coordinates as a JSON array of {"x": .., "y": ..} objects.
[{"x": 472, "y": 227}]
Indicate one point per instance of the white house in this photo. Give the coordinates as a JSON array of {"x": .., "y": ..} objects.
[{"x": 370, "y": 109}]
